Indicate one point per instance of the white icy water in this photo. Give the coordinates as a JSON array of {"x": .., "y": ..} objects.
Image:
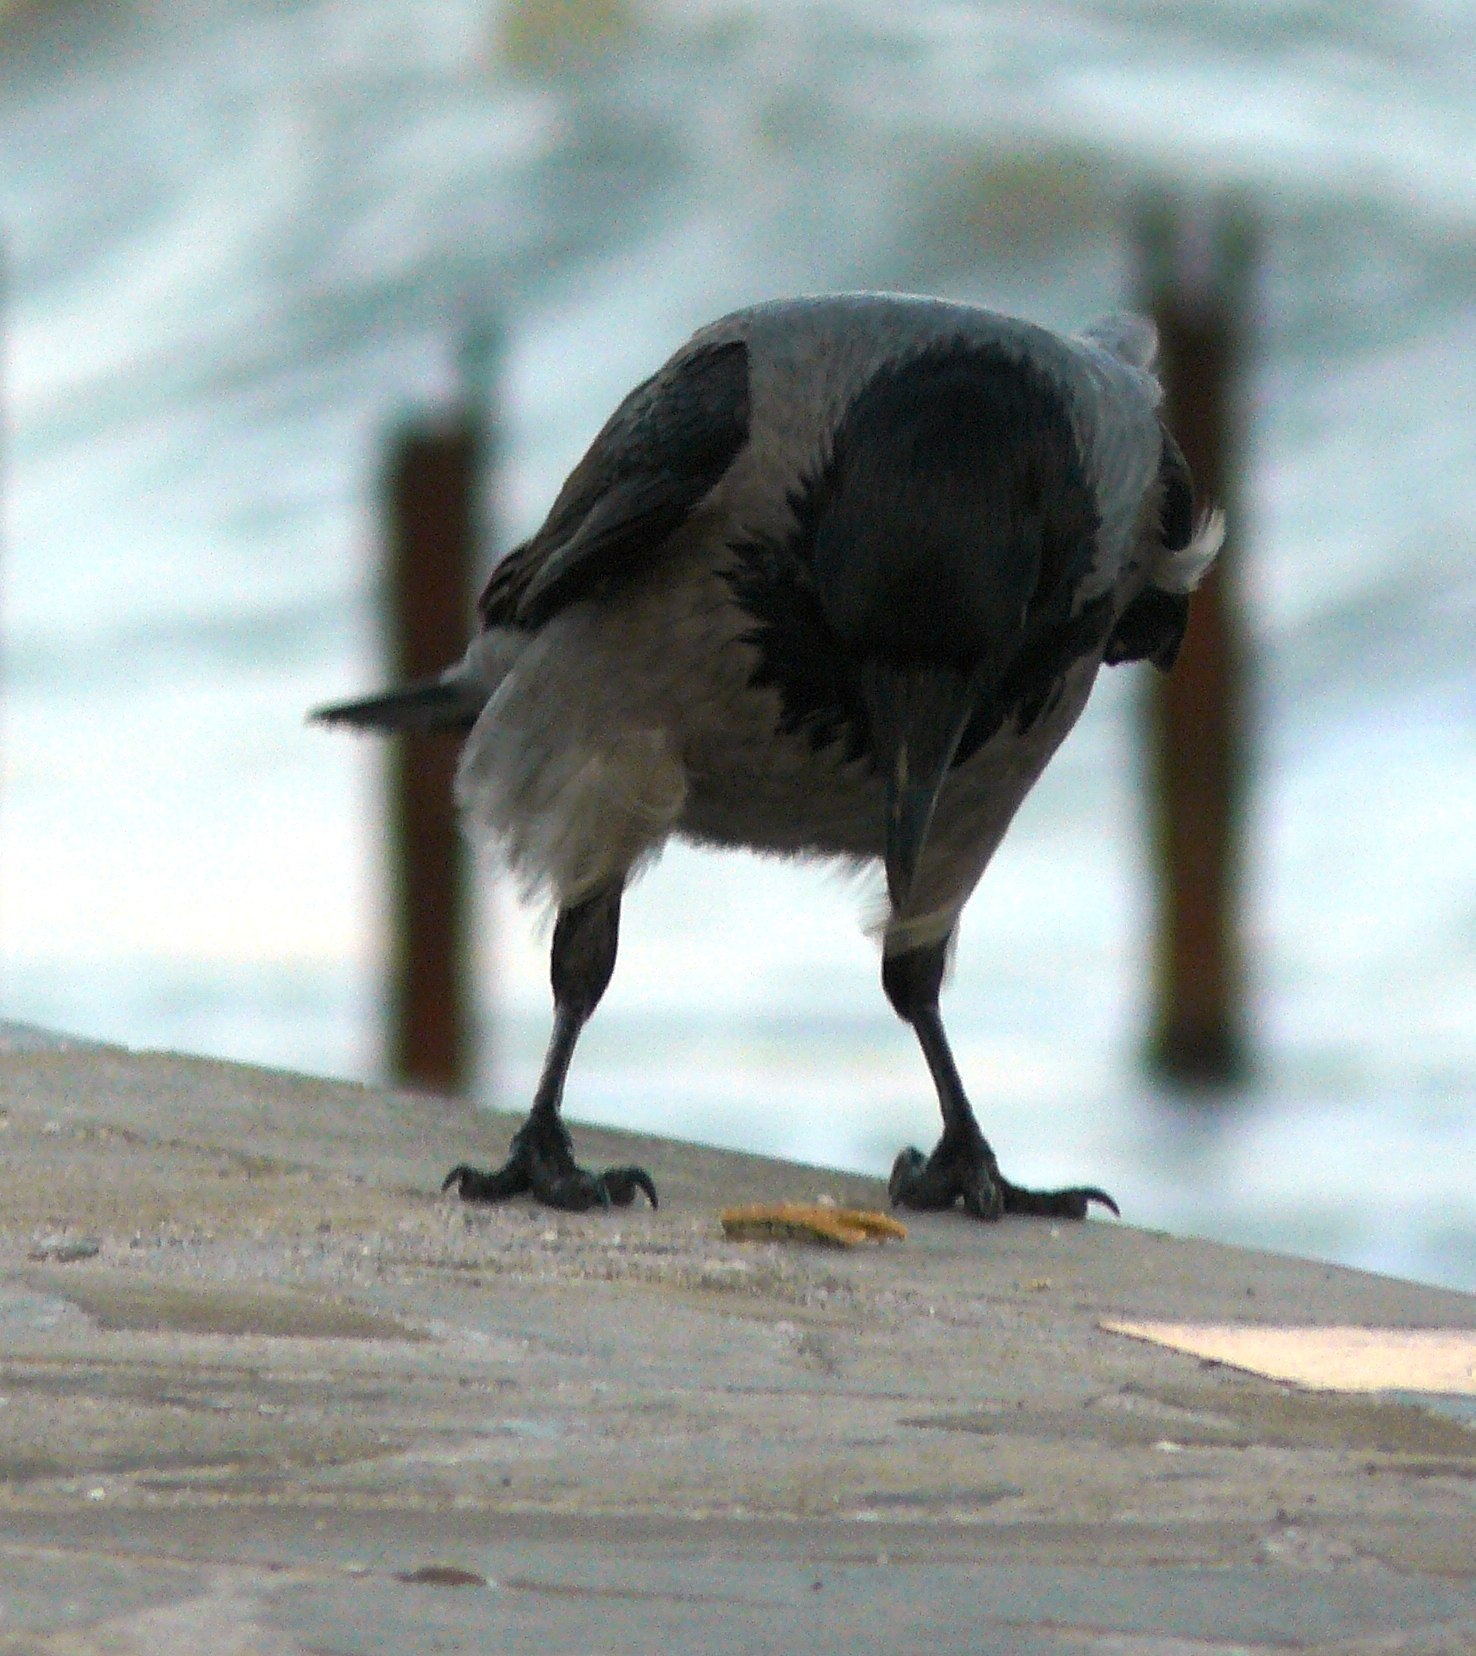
[{"x": 242, "y": 241}]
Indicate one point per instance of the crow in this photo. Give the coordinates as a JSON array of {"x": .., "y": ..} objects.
[{"x": 835, "y": 581}]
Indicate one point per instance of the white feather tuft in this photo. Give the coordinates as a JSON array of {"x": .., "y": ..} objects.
[
  {"x": 1183, "y": 570},
  {"x": 1130, "y": 338}
]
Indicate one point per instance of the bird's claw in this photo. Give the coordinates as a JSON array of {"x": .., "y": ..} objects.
[
  {"x": 622, "y": 1183},
  {"x": 970, "y": 1175},
  {"x": 1071, "y": 1203},
  {"x": 542, "y": 1163},
  {"x": 935, "y": 1183},
  {"x": 473, "y": 1184}
]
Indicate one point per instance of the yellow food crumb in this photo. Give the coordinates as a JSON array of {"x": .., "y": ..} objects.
[{"x": 816, "y": 1222}]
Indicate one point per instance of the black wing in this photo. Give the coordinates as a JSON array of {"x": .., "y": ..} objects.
[{"x": 659, "y": 453}]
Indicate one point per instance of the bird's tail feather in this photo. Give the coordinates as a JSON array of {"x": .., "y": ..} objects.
[{"x": 444, "y": 703}]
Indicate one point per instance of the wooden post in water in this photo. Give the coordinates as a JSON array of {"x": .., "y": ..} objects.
[
  {"x": 431, "y": 491},
  {"x": 1197, "y": 268}
]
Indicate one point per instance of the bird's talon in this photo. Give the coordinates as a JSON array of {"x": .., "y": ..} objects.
[
  {"x": 905, "y": 1170},
  {"x": 968, "y": 1174},
  {"x": 541, "y": 1162},
  {"x": 622, "y": 1183},
  {"x": 982, "y": 1199},
  {"x": 472, "y": 1184},
  {"x": 1072, "y": 1203}
]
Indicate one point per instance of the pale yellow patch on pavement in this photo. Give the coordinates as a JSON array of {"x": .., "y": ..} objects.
[{"x": 1328, "y": 1359}]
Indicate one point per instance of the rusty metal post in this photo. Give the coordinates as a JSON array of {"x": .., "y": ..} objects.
[
  {"x": 1197, "y": 266},
  {"x": 431, "y": 491}
]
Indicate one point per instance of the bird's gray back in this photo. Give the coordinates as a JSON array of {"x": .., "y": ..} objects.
[{"x": 809, "y": 359}]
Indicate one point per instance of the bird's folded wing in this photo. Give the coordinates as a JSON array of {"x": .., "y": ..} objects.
[{"x": 660, "y": 453}]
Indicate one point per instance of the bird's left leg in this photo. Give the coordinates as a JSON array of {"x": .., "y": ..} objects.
[
  {"x": 541, "y": 1158},
  {"x": 962, "y": 1167}
]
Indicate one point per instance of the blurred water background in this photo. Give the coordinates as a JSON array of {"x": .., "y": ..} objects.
[{"x": 242, "y": 240}]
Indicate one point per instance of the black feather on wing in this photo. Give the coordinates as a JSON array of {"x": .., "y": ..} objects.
[{"x": 658, "y": 455}]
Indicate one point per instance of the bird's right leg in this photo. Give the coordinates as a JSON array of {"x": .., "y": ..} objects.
[
  {"x": 963, "y": 1167},
  {"x": 541, "y": 1159}
]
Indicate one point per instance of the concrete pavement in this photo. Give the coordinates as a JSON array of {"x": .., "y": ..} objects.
[{"x": 267, "y": 1393}]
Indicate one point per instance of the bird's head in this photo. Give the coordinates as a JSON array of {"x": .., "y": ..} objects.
[
  {"x": 953, "y": 492},
  {"x": 954, "y": 516}
]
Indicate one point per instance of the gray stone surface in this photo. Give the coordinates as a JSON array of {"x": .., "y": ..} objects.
[{"x": 265, "y": 1392}]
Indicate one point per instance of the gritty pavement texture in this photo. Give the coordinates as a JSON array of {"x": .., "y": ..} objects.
[{"x": 265, "y": 1392}]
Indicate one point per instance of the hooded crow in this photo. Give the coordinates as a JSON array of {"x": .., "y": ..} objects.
[{"x": 835, "y": 581}]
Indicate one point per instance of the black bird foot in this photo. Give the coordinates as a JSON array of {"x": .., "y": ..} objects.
[
  {"x": 541, "y": 1162},
  {"x": 969, "y": 1173}
]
